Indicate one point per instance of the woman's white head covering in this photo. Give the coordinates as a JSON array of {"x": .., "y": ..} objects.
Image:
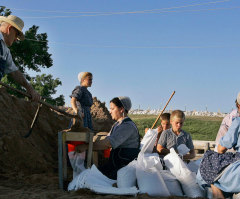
[
  {"x": 80, "y": 76},
  {"x": 126, "y": 102},
  {"x": 238, "y": 98}
]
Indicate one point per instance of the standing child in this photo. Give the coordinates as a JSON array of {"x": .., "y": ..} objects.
[
  {"x": 175, "y": 136},
  {"x": 81, "y": 101}
]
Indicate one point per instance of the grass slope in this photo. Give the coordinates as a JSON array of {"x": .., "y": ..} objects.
[{"x": 200, "y": 128}]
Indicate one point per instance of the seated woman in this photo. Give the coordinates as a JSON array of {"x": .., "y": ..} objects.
[
  {"x": 227, "y": 121},
  {"x": 123, "y": 138},
  {"x": 221, "y": 169}
]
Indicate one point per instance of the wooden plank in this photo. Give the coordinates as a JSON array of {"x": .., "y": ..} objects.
[
  {"x": 200, "y": 144},
  {"x": 77, "y": 136},
  {"x": 95, "y": 158}
]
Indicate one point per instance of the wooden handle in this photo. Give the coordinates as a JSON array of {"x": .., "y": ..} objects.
[
  {"x": 162, "y": 110},
  {"x": 40, "y": 101}
]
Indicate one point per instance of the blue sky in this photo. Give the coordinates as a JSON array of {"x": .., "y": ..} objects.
[{"x": 144, "y": 49}]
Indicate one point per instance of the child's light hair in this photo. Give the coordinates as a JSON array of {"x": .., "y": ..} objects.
[
  {"x": 177, "y": 114},
  {"x": 165, "y": 117}
]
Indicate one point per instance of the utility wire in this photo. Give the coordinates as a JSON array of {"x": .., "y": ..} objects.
[
  {"x": 137, "y": 47},
  {"x": 80, "y": 12},
  {"x": 160, "y": 12},
  {"x": 89, "y": 14}
]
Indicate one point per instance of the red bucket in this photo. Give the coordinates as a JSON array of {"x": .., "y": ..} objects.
[{"x": 73, "y": 144}]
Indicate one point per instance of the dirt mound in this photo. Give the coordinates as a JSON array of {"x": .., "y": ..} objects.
[
  {"x": 102, "y": 119},
  {"x": 38, "y": 153}
]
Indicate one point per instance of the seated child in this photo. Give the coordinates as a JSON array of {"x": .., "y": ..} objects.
[
  {"x": 175, "y": 136},
  {"x": 165, "y": 124}
]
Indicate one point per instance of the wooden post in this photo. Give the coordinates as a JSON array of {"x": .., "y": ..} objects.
[
  {"x": 60, "y": 160},
  {"x": 90, "y": 148},
  {"x": 207, "y": 147},
  {"x": 64, "y": 158}
]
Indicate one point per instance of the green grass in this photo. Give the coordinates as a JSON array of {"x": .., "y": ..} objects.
[{"x": 200, "y": 128}]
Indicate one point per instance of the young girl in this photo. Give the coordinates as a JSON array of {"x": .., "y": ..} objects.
[{"x": 81, "y": 103}]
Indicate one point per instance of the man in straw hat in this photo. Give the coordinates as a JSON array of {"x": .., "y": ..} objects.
[{"x": 10, "y": 31}]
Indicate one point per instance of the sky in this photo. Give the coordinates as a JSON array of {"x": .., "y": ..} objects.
[{"x": 144, "y": 49}]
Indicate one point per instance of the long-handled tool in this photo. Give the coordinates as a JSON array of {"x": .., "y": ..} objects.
[
  {"x": 41, "y": 102},
  {"x": 33, "y": 122},
  {"x": 162, "y": 110}
]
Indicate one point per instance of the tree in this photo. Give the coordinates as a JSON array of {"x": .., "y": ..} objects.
[
  {"x": 32, "y": 54},
  {"x": 45, "y": 85}
]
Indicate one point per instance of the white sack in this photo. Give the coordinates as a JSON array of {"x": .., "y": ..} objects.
[
  {"x": 77, "y": 162},
  {"x": 148, "y": 141},
  {"x": 183, "y": 149},
  {"x": 79, "y": 181},
  {"x": 95, "y": 177},
  {"x": 151, "y": 182},
  {"x": 126, "y": 176},
  {"x": 94, "y": 180},
  {"x": 148, "y": 175},
  {"x": 114, "y": 191},
  {"x": 172, "y": 183},
  {"x": 187, "y": 179},
  {"x": 149, "y": 160}
]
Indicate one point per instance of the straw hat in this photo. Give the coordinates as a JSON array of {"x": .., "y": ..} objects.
[{"x": 16, "y": 22}]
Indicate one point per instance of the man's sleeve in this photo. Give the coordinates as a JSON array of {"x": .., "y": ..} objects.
[{"x": 10, "y": 65}]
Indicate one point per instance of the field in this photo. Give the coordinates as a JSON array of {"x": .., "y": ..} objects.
[{"x": 200, "y": 128}]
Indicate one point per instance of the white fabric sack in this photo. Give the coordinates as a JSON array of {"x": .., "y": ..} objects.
[
  {"x": 148, "y": 174},
  {"x": 77, "y": 162},
  {"x": 126, "y": 176},
  {"x": 95, "y": 177},
  {"x": 187, "y": 178},
  {"x": 148, "y": 141},
  {"x": 94, "y": 180},
  {"x": 114, "y": 191},
  {"x": 149, "y": 160},
  {"x": 79, "y": 181},
  {"x": 88, "y": 178},
  {"x": 172, "y": 183},
  {"x": 151, "y": 182},
  {"x": 183, "y": 149}
]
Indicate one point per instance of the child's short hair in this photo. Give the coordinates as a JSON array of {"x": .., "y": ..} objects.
[
  {"x": 165, "y": 116},
  {"x": 177, "y": 114}
]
